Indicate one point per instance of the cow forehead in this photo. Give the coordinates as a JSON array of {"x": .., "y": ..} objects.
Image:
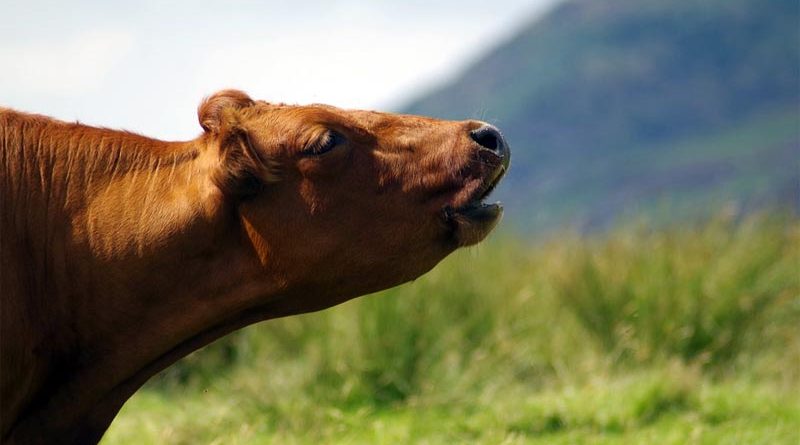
[{"x": 364, "y": 120}]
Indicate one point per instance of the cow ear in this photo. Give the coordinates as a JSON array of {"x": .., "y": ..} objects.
[
  {"x": 243, "y": 169},
  {"x": 214, "y": 113}
]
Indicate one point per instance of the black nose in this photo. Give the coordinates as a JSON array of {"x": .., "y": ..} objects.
[{"x": 489, "y": 137}]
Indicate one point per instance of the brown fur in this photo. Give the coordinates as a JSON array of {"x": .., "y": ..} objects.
[{"x": 120, "y": 254}]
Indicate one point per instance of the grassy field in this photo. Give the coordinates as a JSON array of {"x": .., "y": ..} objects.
[{"x": 683, "y": 335}]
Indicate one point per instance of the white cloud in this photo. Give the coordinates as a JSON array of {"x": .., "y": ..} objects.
[
  {"x": 72, "y": 67},
  {"x": 355, "y": 68}
]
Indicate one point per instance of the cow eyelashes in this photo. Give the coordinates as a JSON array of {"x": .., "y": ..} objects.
[{"x": 328, "y": 142}]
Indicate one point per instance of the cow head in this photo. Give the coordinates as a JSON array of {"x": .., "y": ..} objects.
[{"x": 347, "y": 202}]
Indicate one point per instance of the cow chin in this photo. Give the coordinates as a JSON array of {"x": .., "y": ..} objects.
[{"x": 472, "y": 223}]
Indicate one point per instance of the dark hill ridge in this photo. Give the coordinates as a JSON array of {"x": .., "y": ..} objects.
[{"x": 620, "y": 106}]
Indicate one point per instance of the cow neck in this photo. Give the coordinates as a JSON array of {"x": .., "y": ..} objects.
[{"x": 131, "y": 254}]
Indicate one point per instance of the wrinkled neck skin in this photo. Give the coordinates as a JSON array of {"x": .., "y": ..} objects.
[{"x": 101, "y": 312}]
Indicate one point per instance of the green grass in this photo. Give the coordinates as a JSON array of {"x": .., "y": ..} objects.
[
  {"x": 681, "y": 335},
  {"x": 645, "y": 407}
]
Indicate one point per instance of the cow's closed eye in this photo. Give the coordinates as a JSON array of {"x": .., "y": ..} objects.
[{"x": 327, "y": 143}]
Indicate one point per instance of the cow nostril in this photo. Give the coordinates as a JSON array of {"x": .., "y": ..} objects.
[{"x": 489, "y": 137}]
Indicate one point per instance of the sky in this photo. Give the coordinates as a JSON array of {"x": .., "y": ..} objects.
[{"x": 145, "y": 65}]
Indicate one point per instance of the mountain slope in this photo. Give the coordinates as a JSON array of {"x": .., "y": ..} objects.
[{"x": 623, "y": 106}]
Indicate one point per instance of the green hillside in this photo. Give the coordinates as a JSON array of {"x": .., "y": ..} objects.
[{"x": 620, "y": 107}]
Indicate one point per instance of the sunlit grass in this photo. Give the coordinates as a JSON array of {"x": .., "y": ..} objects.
[{"x": 684, "y": 335}]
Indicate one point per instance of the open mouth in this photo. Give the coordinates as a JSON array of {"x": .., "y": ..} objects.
[
  {"x": 473, "y": 221},
  {"x": 477, "y": 209}
]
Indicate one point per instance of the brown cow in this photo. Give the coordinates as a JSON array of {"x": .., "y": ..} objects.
[{"x": 122, "y": 254}]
